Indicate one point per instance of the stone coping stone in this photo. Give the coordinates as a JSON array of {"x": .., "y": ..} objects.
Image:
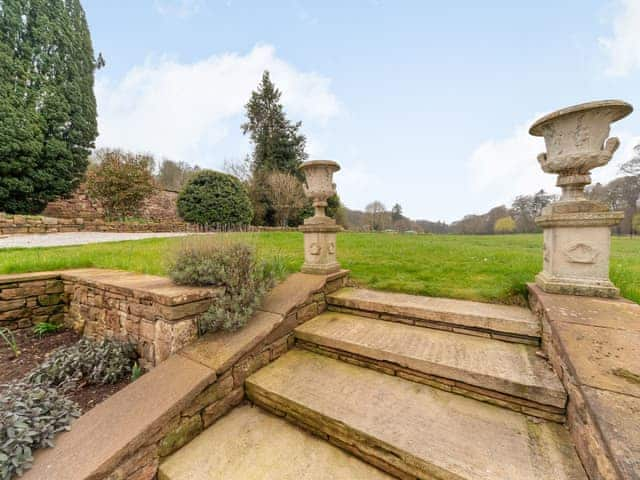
[
  {"x": 27, "y": 277},
  {"x": 159, "y": 289},
  {"x": 506, "y": 319},
  {"x": 102, "y": 437},
  {"x": 419, "y": 430},
  {"x": 510, "y": 368},
  {"x": 598, "y": 340},
  {"x": 250, "y": 444},
  {"x": 291, "y": 294}
]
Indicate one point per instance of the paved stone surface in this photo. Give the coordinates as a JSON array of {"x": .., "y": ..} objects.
[
  {"x": 510, "y": 368},
  {"x": 498, "y": 318},
  {"x": 114, "y": 428},
  {"x": 420, "y": 430},
  {"x": 77, "y": 238},
  {"x": 249, "y": 444}
]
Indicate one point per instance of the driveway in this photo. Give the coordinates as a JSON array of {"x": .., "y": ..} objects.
[{"x": 76, "y": 238}]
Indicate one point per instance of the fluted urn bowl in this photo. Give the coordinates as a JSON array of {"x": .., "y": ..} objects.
[
  {"x": 577, "y": 141},
  {"x": 318, "y": 184}
]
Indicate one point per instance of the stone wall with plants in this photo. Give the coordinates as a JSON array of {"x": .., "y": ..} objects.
[
  {"x": 28, "y": 299},
  {"x": 157, "y": 324},
  {"x": 159, "y": 207},
  {"x": 169, "y": 406}
]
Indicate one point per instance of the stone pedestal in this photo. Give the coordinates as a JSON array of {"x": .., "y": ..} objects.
[
  {"x": 320, "y": 248},
  {"x": 577, "y": 237}
]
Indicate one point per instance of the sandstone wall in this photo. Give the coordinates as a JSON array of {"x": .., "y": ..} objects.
[
  {"x": 30, "y": 298},
  {"x": 160, "y": 207}
]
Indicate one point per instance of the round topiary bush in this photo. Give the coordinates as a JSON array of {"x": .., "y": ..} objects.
[{"x": 211, "y": 198}]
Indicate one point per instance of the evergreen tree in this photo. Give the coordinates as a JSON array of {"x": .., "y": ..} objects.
[
  {"x": 278, "y": 143},
  {"x": 47, "y": 104},
  {"x": 396, "y": 212}
]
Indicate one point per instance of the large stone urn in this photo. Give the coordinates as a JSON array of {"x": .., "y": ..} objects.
[
  {"x": 577, "y": 231},
  {"x": 320, "y": 231}
]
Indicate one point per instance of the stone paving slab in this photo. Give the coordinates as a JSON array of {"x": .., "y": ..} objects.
[
  {"x": 510, "y": 368},
  {"x": 498, "y": 318},
  {"x": 250, "y": 444},
  {"x": 417, "y": 429}
]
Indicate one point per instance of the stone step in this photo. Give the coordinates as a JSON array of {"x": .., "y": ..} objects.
[
  {"x": 412, "y": 430},
  {"x": 502, "y": 322},
  {"x": 505, "y": 374},
  {"x": 251, "y": 444}
]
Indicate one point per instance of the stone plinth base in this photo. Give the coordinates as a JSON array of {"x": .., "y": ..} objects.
[
  {"x": 577, "y": 237},
  {"x": 320, "y": 248}
]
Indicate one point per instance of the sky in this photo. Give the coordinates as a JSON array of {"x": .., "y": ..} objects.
[{"x": 423, "y": 103}]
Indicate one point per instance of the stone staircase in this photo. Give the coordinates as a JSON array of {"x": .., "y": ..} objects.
[{"x": 417, "y": 387}]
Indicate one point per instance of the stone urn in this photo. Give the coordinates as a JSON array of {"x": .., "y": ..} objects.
[
  {"x": 577, "y": 231},
  {"x": 319, "y": 186},
  {"x": 577, "y": 142},
  {"x": 319, "y": 231}
]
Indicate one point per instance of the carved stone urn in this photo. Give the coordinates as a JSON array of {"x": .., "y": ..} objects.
[
  {"x": 320, "y": 231},
  {"x": 577, "y": 231}
]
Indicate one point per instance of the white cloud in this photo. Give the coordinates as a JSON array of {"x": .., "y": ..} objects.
[
  {"x": 179, "y": 8},
  {"x": 623, "y": 48},
  {"x": 185, "y": 110},
  {"x": 505, "y": 168}
]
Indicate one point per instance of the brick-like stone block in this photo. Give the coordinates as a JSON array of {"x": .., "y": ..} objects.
[{"x": 186, "y": 429}]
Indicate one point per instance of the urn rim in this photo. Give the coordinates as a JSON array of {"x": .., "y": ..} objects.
[
  {"x": 320, "y": 163},
  {"x": 620, "y": 107}
]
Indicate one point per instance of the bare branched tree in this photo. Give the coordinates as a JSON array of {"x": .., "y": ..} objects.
[{"x": 286, "y": 194}]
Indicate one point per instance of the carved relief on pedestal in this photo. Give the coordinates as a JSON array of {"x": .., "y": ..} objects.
[
  {"x": 315, "y": 249},
  {"x": 332, "y": 248},
  {"x": 581, "y": 252}
]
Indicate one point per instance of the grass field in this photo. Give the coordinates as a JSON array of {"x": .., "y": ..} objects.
[{"x": 486, "y": 268}]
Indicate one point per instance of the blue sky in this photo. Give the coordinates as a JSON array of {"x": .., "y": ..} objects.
[{"x": 423, "y": 103}]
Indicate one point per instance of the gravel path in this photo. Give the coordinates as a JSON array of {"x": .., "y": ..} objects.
[{"x": 76, "y": 238}]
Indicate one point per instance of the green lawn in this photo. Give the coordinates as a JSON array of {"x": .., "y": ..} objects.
[{"x": 488, "y": 268}]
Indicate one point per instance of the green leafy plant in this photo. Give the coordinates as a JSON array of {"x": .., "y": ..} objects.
[
  {"x": 86, "y": 361},
  {"x": 232, "y": 265},
  {"x": 43, "y": 328},
  {"x": 214, "y": 198},
  {"x": 30, "y": 417},
  {"x": 7, "y": 336},
  {"x": 136, "y": 372}
]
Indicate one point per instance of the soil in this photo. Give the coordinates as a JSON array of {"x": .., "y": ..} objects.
[{"x": 33, "y": 350}]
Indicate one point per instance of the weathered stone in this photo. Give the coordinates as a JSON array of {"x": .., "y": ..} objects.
[
  {"x": 509, "y": 368},
  {"x": 186, "y": 430},
  {"x": 214, "y": 392},
  {"x": 250, "y": 444},
  {"x": 7, "y": 305},
  {"x": 418, "y": 430},
  {"x": 215, "y": 411},
  {"x": 503, "y": 319},
  {"x": 248, "y": 365}
]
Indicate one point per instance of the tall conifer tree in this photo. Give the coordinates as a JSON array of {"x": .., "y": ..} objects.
[{"x": 47, "y": 104}]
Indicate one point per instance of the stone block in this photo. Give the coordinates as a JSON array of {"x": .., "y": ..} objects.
[
  {"x": 187, "y": 429},
  {"x": 215, "y": 411},
  {"x": 248, "y": 365},
  {"x": 210, "y": 395}
]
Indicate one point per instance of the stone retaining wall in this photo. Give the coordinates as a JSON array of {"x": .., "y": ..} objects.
[
  {"x": 24, "y": 224},
  {"x": 29, "y": 299},
  {"x": 128, "y": 435}
]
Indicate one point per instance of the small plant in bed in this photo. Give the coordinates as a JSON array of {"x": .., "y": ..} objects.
[
  {"x": 85, "y": 362},
  {"x": 30, "y": 417},
  {"x": 233, "y": 265},
  {"x": 44, "y": 328},
  {"x": 9, "y": 339}
]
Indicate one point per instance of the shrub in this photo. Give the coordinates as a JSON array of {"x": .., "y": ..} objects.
[
  {"x": 505, "y": 225},
  {"x": 7, "y": 337},
  {"x": 30, "y": 416},
  {"x": 232, "y": 265},
  {"x": 121, "y": 181},
  {"x": 211, "y": 198},
  {"x": 88, "y": 361},
  {"x": 43, "y": 328}
]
